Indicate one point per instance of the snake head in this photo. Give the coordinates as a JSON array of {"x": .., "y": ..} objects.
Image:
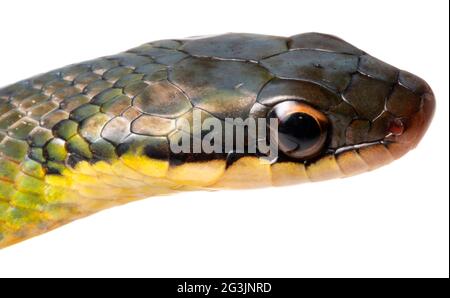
[{"x": 341, "y": 111}]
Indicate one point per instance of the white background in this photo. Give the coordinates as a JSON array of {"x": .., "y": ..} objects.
[{"x": 393, "y": 222}]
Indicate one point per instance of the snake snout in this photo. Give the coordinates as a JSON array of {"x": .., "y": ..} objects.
[{"x": 413, "y": 103}]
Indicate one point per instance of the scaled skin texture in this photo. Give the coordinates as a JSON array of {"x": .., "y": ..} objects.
[{"x": 96, "y": 134}]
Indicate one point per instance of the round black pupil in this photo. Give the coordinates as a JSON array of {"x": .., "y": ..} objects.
[{"x": 301, "y": 129}]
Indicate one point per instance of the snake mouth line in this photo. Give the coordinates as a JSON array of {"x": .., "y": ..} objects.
[{"x": 361, "y": 145}]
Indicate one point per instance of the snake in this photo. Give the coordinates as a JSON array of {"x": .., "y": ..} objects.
[{"x": 98, "y": 134}]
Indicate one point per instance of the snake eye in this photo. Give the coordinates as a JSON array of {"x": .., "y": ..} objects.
[{"x": 302, "y": 130}]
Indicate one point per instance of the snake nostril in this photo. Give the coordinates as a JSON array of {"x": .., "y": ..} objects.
[{"x": 396, "y": 127}]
